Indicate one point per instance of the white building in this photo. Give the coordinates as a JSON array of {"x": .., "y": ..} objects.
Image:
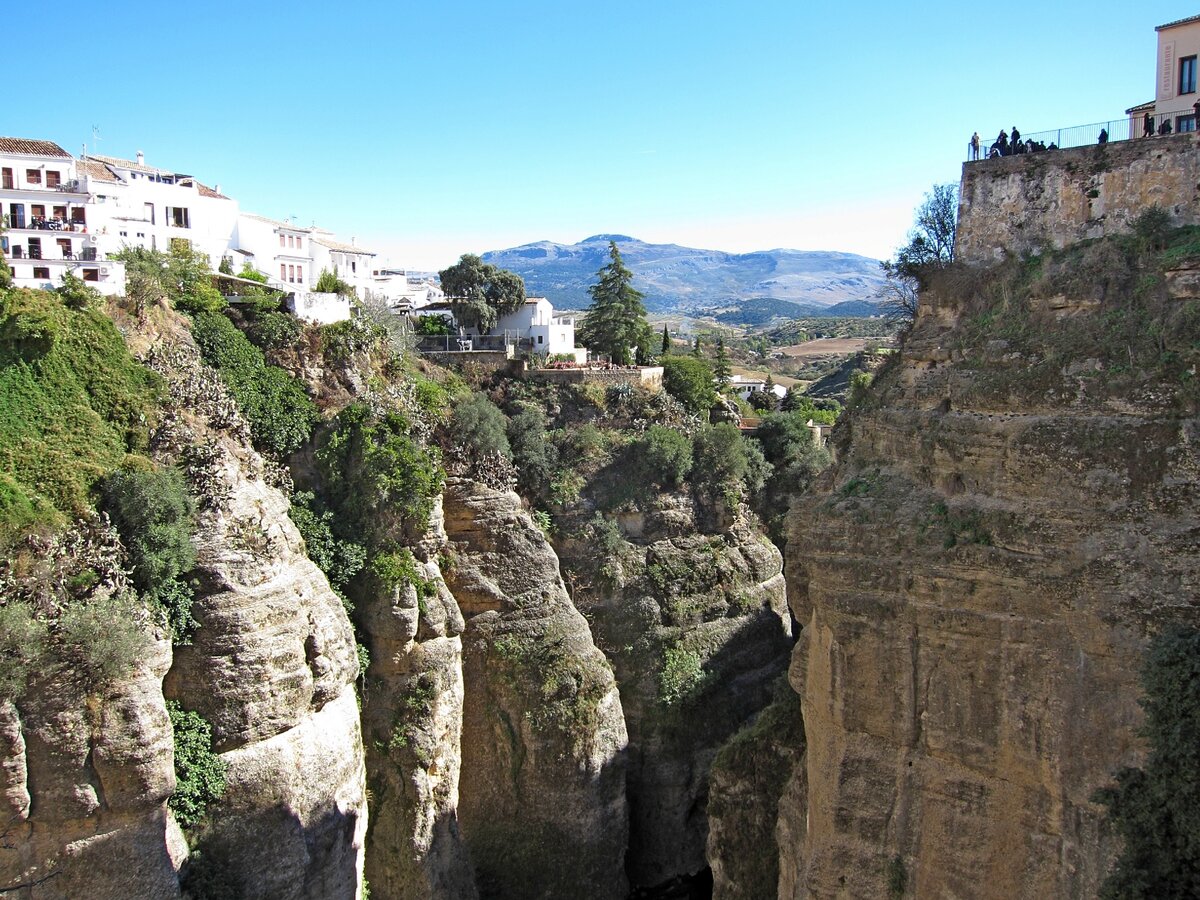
[
  {"x": 136, "y": 205},
  {"x": 349, "y": 262},
  {"x": 744, "y": 387},
  {"x": 403, "y": 290},
  {"x": 280, "y": 250},
  {"x": 48, "y": 219},
  {"x": 549, "y": 333}
]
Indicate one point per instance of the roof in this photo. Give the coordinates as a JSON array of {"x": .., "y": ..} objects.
[
  {"x": 32, "y": 148},
  {"x": 129, "y": 164},
  {"x": 96, "y": 170},
  {"x": 276, "y": 222},
  {"x": 1178, "y": 22},
  {"x": 206, "y": 191},
  {"x": 340, "y": 247},
  {"x": 1141, "y": 107}
]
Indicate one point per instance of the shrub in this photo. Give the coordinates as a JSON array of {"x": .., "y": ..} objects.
[
  {"x": 339, "y": 559},
  {"x": 380, "y": 483},
  {"x": 431, "y": 326},
  {"x": 101, "y": 639},
  {"x": 279, "y": 411},
  {"x": 153, "y": 514},
  {"x": 1152, "y": 227},
  {"x": 274, "y": 330},
  {"x": 664, "y": 456},
  {"x": 329, "y": 283},
  {"x": 860, "y": 386},
  {"x": 23, "y": 642},
  {"x": 340, "y": 341},
  {"x": 720, "y": 453},
  {"x": 199, "y": 772},
  {"x": 690, "y": 381},
  {"x": 532, "y": 454},
  {"x": 478, "y": 425},
  {"x": 400, "y": 568},
  {"x": 1156, "y": 808},
  {"x": 681, "y": 678},
  {"x": 77, "y": 293}
]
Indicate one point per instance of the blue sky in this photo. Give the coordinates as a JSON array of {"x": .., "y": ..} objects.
[{"x": 428, "y": 130}]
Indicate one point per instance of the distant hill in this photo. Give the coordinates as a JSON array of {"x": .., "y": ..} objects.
[
  {"x": 764, "y": 310},
  {"x": 686, "y": 280}
]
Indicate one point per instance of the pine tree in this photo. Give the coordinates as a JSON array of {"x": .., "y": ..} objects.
[
  {"x": 615, "y": 323},
  {"x": 666, "y": 343},
  {"x": 696, "y": 348},
  {"x": 721, "y": 369}
]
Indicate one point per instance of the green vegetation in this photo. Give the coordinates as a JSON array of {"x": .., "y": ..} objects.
[
  {"x": 394, "y": 570},
  {"x": 339, "y": 559},
  {"x": 615, "y": 323},
  {"x": 795, "y": 460},
  {"x": 329, "y": 283},
  {"x": 721, "y": 458},
  {"x": 341, "y": 341},
  {"x": 73, "y": 404},
  {"x": 199, "y": 772},
  {"x": 534, "y": 457},
  {"x": 480, "y": 427},
  {"x": 682, "y": 677},
  {"x": 279, "y": 411},
  {"x": 480, "y": 293},
  {"x": 689, "y": 380},
  {"x": 432, "y": 326},
  {"x": 663, "y": 456},
  {"x": 183, "y": 276},
  {"x": 1156, "y": 808},
  {"x": 154, "y": 516},
  {"x": 379, "y": 482},
  {"x": 929, "y": 249},
  {"x": 24, "y": 641}
]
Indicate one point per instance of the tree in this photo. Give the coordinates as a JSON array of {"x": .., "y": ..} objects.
[
  {"x": 666, "y": 341},
  {"x": 1156, "y": 808},
  {"x": 615, "y": 323},
  {"x": 930, "y": 247},
  {"x": 721, "y": 370},
  {"x": 689, "y": 380},
  {"x": 696, "y": 347},
  {"x": 480, "y": 293}
]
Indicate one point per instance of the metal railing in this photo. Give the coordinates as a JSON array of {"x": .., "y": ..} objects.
[
  {"x": 453, "y": 343},
  {"x": 1124, "y": 129},
  {"x": 87, "y": 254}
]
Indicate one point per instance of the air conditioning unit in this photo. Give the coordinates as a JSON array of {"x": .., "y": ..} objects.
[{"x": 104, "y": 270}]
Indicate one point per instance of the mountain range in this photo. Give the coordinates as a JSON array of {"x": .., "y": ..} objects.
[{"x": 679, "y": 279}]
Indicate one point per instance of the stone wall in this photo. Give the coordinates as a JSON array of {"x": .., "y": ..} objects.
[
  {"x": 647, "y": 376},
  {"x": 1018, "y": 204}
]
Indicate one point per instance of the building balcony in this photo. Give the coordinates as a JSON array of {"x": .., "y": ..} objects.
[
  {"x": 40, "y": 224},
  {"x": 73, "y": 186},
  {"x": 48, "y": 254}
]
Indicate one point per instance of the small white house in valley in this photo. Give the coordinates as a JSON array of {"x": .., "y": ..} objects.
[
  {"x": 744, "y": 387},
  {"x": 548, "y": 333}
]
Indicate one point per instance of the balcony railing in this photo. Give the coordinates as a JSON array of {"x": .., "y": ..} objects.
[
  {"x": 39, "y": 223},
  {"x": 1124, "y": 129},
  {"x": 87, "y": 254}
]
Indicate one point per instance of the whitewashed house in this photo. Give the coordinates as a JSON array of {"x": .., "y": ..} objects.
[
  {"x": 136, "y": 205},
  {"x": 280, "y": 250},
  {"x": 744, "y": 387},
  {"x": 404, "y": 291},
  {"x": 49, "y": 224},
  {"x": 350, "y": 262},
  {"x": 548, "y": 333}
]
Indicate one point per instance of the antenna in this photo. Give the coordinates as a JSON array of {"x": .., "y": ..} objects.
[{"x": 96, "y": 139}]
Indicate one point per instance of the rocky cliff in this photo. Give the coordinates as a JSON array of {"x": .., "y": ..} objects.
[
  {"x": 542, "y": 802},
  {"x": 1013, "y": 511}
]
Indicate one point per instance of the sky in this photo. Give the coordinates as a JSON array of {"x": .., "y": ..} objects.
[{"x": 434, "y": 129}]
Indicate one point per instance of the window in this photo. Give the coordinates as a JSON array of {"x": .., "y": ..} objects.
[
  {"x": 124, "y": 234},
  {"x": 38, "y": 211},
  {"x": 1185, "y": 123},
  {"x": 33, "y": 176},
  {"x": 299, "y": 246},
  {"x": 78, "y": 215},
  {"x": 282, "y": 268},
  {"x": 178, "y": 216},
  {"x": 53, "y": 179},
  {"x": 16, "y": 215},
  {"x": 60, "y": 212},
  {"x": 35, "y": 248},
  {"x": 41, "y": 271},
  {"x": 292, "y": 274},
  {"x": 353, "y": 266},
  {"x": 1187, "y": 75},
  {"x": 141, "y": 234},
  {"x": 292, "y": 241},
  {"x": 64, "y": 246},
  {"x": 539, "y": 338},
  {"x": 6, "y": 177},
  {"x": 299, "y": 275},
  {"x": 282, "y": 241},
  {"x": 91, "y": 274}
]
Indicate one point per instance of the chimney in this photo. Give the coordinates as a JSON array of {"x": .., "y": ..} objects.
[
  {"x": 353, "y": 241},
  {"x": 141, "y": 158},
  {"x": 217, "y": 188}
]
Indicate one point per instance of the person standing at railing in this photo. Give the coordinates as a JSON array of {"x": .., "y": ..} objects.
[
  {"x": 1165, "y": 127},
  {"x": 1147, "y": 126},
  {"x": 1016, "y": 138},
  {"x": 1103, "y": 136},
  {"x": 975, "y": 145}
]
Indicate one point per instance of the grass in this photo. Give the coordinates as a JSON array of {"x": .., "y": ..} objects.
[{"x": 73, "y": 405}]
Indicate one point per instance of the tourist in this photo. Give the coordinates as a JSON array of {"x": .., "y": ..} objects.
[
  {"x": 975, "y": 145},
  {"x": 1103, "y": 136},
  {"x": 1016, "y": 136},
  {"x": 1165, "y": 127},
  {"x": 1147, "y": 126}
]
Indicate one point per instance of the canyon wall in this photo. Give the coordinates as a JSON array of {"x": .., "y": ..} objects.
[{"x": 1020, "y": 204}]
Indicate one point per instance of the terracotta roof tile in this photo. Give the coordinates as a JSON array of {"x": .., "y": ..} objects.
[
  {"x": 95, "y": 169},
  {"x": 206, "y": 191},
  {"x": 32, "y": 148},
  {"x": 119, "y": 163},
  {"x": 340, "y": 247},
  {"x": 1178, "y": 22}
]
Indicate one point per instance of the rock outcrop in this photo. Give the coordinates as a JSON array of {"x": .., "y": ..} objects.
[
  {"x": 412, "y": 719},
  {"x": 689, "y": 606},
  {"x": 1013, "y": 511},
  {"x": 542, "y": 795}
]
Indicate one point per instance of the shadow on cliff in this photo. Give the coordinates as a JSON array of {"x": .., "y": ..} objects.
[{"x": 274, "y": 854}]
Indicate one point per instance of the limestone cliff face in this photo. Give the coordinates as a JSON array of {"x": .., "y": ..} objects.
[
  {"x": 86, "y": 778},
  {"x": 689, "y": 606},
  {"x": 271, "y": 667},
  {"x": 1013, "y": 510},
  {"x": 542, "y": 793},
  {"x": 412, "y": 719}
]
